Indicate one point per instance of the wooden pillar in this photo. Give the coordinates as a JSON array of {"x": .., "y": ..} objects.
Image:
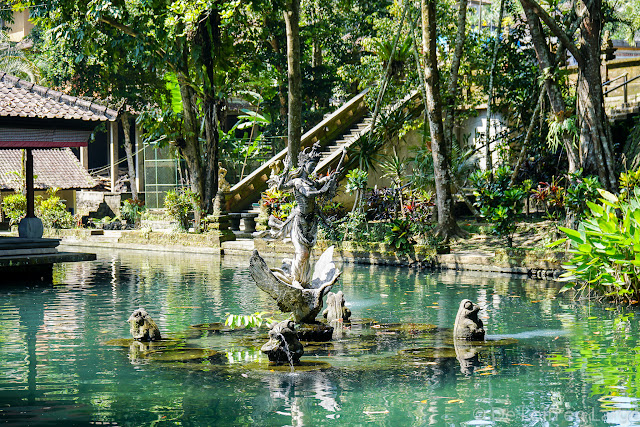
[
  {"x": 139, "y": 160},
  {"x": 113, "y": 153},
  {"x": 84, "y": 157},
  {"x": 30, "y": 187}
]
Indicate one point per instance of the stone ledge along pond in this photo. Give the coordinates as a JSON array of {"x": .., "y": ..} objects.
[{"x": 66, "y": 354}]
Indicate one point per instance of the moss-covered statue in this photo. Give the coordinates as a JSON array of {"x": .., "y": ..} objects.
[
  {"x": 295, "y": 287},
  {"x": 468, "y": 326},
  {"x": 143, "y": 328}
]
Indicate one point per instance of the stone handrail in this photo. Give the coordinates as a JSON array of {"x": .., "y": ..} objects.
[{"x": 245, "y": 192}]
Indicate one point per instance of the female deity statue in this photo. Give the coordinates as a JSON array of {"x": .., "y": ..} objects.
[{"x": 302, "y": 224}]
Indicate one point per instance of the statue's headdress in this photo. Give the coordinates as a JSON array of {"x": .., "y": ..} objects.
[{"x": 309, "y": 154}]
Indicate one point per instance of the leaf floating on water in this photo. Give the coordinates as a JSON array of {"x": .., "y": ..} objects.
[{"x": 456, "y": 401}]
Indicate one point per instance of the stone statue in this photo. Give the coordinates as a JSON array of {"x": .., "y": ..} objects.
[
  {"x": 295, "y": 287},
  {"x": 468, "y": 326},
  {"x": 302, "y": 224},
  {"x": 223, "y": 185},
  {"x": 283, "y": 345},
  {"x": 143, "y": 328},
  {"x": 305, "y": 304},
  {"x": 336, "y": 310}
]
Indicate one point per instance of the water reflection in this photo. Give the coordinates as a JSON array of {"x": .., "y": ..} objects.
[{"x": 574, "y": 363}]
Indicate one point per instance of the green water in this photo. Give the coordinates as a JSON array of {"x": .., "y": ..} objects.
[{"x": 558, "y": 362}]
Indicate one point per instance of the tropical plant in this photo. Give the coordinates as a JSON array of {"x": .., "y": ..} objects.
[
  {"x": 248, "y": 321},
  {"x": 499, "y": 202},
  {"x": 357, "y": 182},
  {"x": 178, "y": 204},
  {"x": 552, "y": 196},
  {"x": 579, "y": 191},
  {"x": 399, "y": 235},
  {"x": 14, "y": 207},
  {"x": 606, "y": 248},
  {"x": 53, "y": 212},
  {"x": 132, "y": 210}
]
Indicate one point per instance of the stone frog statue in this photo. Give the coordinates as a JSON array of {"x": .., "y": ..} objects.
[
  {"x": 283, "y": 343},
  {"x": 336, "y": 310},
  {"x": 468, "y": 326},
  {"x": 143, "y": 328}
]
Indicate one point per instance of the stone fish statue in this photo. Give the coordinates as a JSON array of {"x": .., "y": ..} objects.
[
  {"x": 336, "y": 310},
  {"x": 283, "y": 345},
  {"x": 468, "y": 326},
  {"x": 143, "y": 328}
]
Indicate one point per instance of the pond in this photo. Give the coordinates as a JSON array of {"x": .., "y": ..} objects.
[{"x": 553, "y": 361}]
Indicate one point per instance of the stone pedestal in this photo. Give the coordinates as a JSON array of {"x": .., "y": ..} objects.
[
  {"x": 30, "y": 228},
  {"x": 219, "y": 222}
]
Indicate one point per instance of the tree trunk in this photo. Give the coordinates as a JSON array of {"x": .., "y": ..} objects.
[
  {"x": 128, "y": 148},
  {"x": 294, "y": 122},
  {"x": 447, "y": 225},
  {"x": 595, "y": 146},
  {"x": 209, "y": 38},
  {"x": 595, "y": 152},
  {"x": 547, "y": 63},
  {"x": 191, "y": 150},
  {"x": 452, "y": 89},
  {"x": 492, "y": 72}
]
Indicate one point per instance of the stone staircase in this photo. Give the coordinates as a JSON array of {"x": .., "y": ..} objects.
[{"x": 337, "y": 131}]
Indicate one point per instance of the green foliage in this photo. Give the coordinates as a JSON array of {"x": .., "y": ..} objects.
[
  {"x": 497, "y": 201},
  {"x": 132, "y": 210},
  {"x": 606, "y": 248},
  {"x": 248, "y": 321},
  {"x": 580, "y": 191},
  {"x": 178, "y": 204},
  {"x": 53, "y": 212},
  {"x": 399, "y": 235},
  {"x": 559, "y": 127},
  {"x": 628, "y": 181},
  {"x": 552, "y": 196},
  {"x": 14, "y": 207},
  {"x": 356, "y": 180},
  {"x": 278, "y": 203}
]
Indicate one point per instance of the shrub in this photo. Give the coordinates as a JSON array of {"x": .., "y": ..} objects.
[
  {"x": 178, "y": 204},
  {"x": 132, "y": 210},
  {"x": 499, "y": 202},
  {"x": 579, "y": 192},
  {"x": 53, "y": 212},
  {"x": 14, "y": 207},
  {"x": 278, "y": 203},
  {"x": 606, "y": 248}
]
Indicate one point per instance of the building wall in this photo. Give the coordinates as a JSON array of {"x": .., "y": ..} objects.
[{"x": 21, "y": 26}]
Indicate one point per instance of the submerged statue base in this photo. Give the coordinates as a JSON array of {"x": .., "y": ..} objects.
[{"x": 304, "y": 300}]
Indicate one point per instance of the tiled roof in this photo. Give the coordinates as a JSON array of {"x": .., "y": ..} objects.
[
  {"x": 20, "y": 98},
  {"x": 51, "y": 168}
]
